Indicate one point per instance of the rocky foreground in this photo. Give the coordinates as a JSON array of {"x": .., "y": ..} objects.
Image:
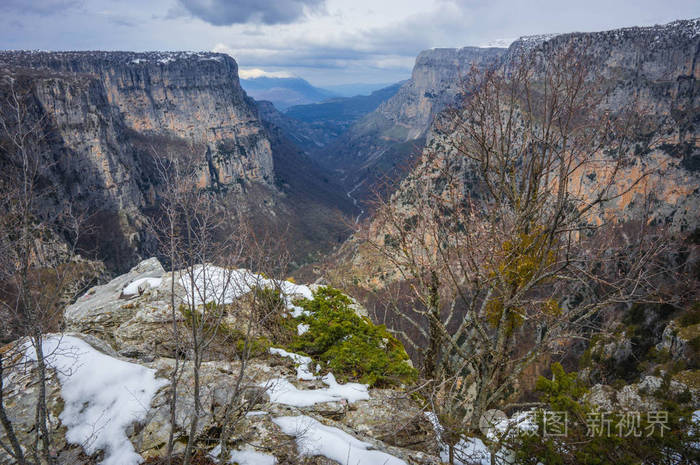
[
  {"x": 109, "y": 391},
  {"x": 118, "y": 347}
]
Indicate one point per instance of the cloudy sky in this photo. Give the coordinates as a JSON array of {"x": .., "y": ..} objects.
[{"x": 324, "y": 41}]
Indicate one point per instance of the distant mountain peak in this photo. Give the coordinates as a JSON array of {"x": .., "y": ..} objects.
[
  {"x": 284, "y": 92},
  {"x": 254, "y": 73}
]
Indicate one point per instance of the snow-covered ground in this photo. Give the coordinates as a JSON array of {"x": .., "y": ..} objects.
[
  {"x": 102, "y": 395},
  {"x": 133, "y": 287},
  {"x": 300, "y": 361},
  {"x": 246, "y": 457},
  {"x": 282, "y": 391},
  {"x": 209, "y": 283},
  {"x": 472, "y": 450},
  {"x": 315, "y": 438}
]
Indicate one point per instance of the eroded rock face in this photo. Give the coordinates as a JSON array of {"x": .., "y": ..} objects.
[
  {"x": 106, "y": 118},
  {"x": 129, "y": 319},
  {"x": 434, "y": 84},
  {"x": 382, "y": 142},
  {"x": 196, "y": 96},
  {"x": 654, "y": 70},
  {"x": 676, "y": 340}
]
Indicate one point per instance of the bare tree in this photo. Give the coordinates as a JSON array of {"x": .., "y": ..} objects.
[
  {"x": 38, "y": 272},
  {"x": 505, "y": 235},
  {"x": 208, "y": 243}
]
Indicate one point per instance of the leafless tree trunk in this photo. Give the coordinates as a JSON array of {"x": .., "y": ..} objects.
[
  {"x": 206, "y": 240},
  {"x": 34, "y": 287}
]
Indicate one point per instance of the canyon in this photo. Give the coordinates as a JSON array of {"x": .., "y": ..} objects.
[
  {"x": 108, "y": 117},
  {"x": 311, "y": 180}
]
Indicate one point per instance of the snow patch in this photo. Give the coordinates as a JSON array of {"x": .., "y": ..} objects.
[
  {"x": 245, "y": 457},
  {"x": 472, "y": 450},
  {"x": 314, "y": 438},
  {"x": 302, "y": 328},
  {"x": 133, "y": 287},
  {"x": 102, "y": 396},
  {"x": 282, "y": 391},
  {"x": 251, "y": 457},
  {"x": 497, "y": 43},
  {"x": 350, "y": 391},
  {"x": 297, "y": 311},
  {"x": 301, "y": 362},
  {"x": 223, "y": 286}
]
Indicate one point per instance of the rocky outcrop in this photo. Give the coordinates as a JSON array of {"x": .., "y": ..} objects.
[{"x": 129, "y": 321}]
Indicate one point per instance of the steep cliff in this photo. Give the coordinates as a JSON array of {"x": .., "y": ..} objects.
[
  {"x": 654, "y": 70},
  {"x": 382, "y": 143},
  {"x": 434, "y": 84},
  {"x": 105, "y": 117},
  {"x": 196, "y": 96}
]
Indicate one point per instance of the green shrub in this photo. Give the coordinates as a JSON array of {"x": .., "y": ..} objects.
[
  {"x": 227, "y": 336},
  {"x": 350, "y": 346},
  {"x": 564, "y": 392},
  {"x": 691, "y": 317}
]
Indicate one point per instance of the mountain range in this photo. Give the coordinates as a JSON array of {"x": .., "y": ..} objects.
[
  {"x": 106, "y": 109},
  {"x": 285, "y": 92}
]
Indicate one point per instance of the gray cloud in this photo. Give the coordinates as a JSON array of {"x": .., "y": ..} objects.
[
  {"x": 226, "y": 13},
  {"x": 40, "y": 7},
  {"x": 327, "y": 41}
]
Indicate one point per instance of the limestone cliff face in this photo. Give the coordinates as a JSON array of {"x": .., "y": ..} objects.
[
  {"x": 383, "y": 142},
  {"x": 89, "y": 159},
  {"x": 657, "y": 71},
  {"x": 653, "y": 69},
  {"x": 434, "y": 84},
  {"x": 105, "y": 115},
  {"x": 195, "y": 96},
  {"x": 94, "y": 162}
]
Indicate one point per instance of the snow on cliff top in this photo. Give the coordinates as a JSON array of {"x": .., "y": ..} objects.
[
  {"x": 124, "y": 57},
  {"x": 684, "y": 27}
]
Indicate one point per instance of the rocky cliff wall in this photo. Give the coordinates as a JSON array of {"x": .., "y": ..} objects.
[
  {"x": 434, "y": 84},
  {"x": 105, "y": 117},
  {"x": 196, "y": 96},
  {"x": 382, "y": 144},
  {"x": 652, "y": 69}
]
